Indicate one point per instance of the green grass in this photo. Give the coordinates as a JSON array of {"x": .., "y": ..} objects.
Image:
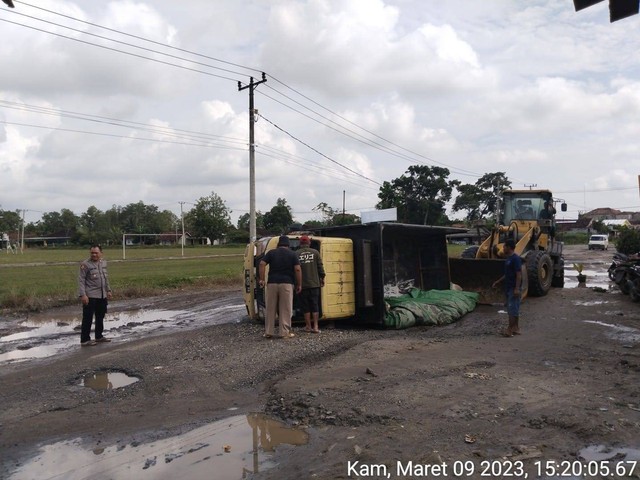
[
  {"x": 72, "y": 254},
  {"x": 455, "y": 250},
  {"x": 45, "y": 277},
  {"x": 48, "y": 277}
]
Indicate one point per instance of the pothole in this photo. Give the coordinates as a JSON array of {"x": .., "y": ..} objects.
[{"x": 107, "y": 380}]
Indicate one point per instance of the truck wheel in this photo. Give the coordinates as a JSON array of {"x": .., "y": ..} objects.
[
  {"x": 470, "y": 252},
  {"x": 540, "y": 272}
]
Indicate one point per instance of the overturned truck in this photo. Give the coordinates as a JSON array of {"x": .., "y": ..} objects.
[{"x": 364, "y": 265}]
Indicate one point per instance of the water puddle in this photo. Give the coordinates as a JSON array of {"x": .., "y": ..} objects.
[
  {"x": 590, "y": 303},
  {"x": 45, "y": 336},
  {"x": 107, "y": 380},
  {"x": 619, "y": 332},
  {"x": 232, "y": 448},
  {"x": 595, "y": 278},
  {"x": 600, "y": 453}
]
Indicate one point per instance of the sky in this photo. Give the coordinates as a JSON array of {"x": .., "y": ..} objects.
[{"x": 116, "y": 102}]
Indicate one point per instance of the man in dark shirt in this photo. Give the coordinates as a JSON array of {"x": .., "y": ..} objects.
[
  {"x": 548, "y": 213},
  {"x": 284, "y": 273},
  {"x": 312, "y": 280},
  {"x": 512, "y": 282}
]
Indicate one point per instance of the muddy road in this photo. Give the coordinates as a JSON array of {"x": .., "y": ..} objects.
[{"x": 196, "y": 392}]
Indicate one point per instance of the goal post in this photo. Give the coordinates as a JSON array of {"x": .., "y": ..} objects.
[{"x": 142, "y": 235}]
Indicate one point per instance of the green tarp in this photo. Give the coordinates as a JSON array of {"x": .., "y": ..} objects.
[{"x": 431, "y": 307}]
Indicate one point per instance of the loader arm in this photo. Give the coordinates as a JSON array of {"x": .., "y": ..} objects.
[{"x": 478, "y": 274}]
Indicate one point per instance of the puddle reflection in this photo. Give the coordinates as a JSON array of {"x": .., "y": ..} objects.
[
  {"x": 107, "y": 380},
  {"x": 231, "y": 448},
  {"x": 593, "y": 280}
]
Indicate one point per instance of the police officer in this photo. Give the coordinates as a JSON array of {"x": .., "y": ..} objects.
[{"x": 94, "y": 292}]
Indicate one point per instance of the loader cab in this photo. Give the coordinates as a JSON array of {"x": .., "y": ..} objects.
[{"x": 523, "y": 204}]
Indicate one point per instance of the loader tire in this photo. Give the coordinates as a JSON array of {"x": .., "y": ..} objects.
[
  {"x": 634, "y": 293},
  {"x": 470, "y": 252},
  {"x": 558, "y": 282},
  {"x": 540, "y": 271},
  {"x": 558, "y": 277}
]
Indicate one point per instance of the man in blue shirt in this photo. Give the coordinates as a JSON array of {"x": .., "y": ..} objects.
[{"x": 512, "y": 282}]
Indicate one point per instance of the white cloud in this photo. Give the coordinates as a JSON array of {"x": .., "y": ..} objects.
[{"x": 548, "y": 95}]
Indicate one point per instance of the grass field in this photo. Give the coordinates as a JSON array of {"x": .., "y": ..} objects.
[{"x": 44, "y": 277}]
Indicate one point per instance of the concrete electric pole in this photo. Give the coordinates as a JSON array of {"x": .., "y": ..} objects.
[{"x": 252, "y": 156}]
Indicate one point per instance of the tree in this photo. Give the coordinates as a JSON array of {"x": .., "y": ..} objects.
[
  {"x": 419, "y": 195},
  {"x": 210, "y": 217},
  {"x": 600, "y": 227},
  {"x": 628, "y": 241},
  {"x": 93, "y": 227},
  {"x": 10, "y": 221},
  {"x": 243, "y": 221},
  {"x": 480, "y": 199},
  {"x": 278, "y": 219},
  {"x": 332, "y": 216},
  {"x": 61, "y": 223}
]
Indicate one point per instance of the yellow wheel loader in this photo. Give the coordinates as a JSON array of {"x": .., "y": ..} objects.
[{"x": 524, "y": 217}]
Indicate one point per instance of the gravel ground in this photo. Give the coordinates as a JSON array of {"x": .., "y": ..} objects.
[{"x": 433, "y": 396}]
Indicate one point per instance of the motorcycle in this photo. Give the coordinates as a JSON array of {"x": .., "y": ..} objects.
[
  {"x": 633, "y": 282},
  {"x": 627, "y": 276},
  {"x": 618, "y": 259}
]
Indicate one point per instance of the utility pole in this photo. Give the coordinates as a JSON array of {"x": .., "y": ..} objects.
[
  {"x": 182, "y": 221},
  {"x": 22, "y": 242},
  {"x": 252, "y": 156}
]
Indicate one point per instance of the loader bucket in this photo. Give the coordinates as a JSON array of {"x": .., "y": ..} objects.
[{"x": 477, "y": 275}]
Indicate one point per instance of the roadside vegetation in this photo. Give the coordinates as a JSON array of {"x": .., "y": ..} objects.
[{"x": 44, "y": 278}]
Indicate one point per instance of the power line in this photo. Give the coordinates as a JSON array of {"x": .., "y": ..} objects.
[
  {"x": 276, "y": 153},
  {"x": 431, "y": 160},
  {"x": 319, "y": 152},
  {"x": 317, "y": 170},
  {"x": 365, "y": 141},
  {"x": 122, "y": 51},
  {"x": 142, "y": 38},
  {"x": 122, "y": 136},
  {"x": 170, "y": 131},
  {"x": 599, "y": 190},
  {"x": 124, "y": 43}
]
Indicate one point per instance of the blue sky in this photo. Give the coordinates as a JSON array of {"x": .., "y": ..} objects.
[{"x": 357, "y": 91}]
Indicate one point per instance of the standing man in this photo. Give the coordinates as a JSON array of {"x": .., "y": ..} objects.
[
  {"x": 548, "y": 213},
  {"x": 284, "y": 273},
  {"x": 512, "y": 282},
  {"x": 312, "y": 280},
  {"x": 94, "y": 293}
]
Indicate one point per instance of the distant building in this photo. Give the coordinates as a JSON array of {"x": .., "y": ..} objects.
[{"x": 616, "y": 224}]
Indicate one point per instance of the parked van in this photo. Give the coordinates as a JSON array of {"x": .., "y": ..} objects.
[{"x": 599, "y": 241}]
